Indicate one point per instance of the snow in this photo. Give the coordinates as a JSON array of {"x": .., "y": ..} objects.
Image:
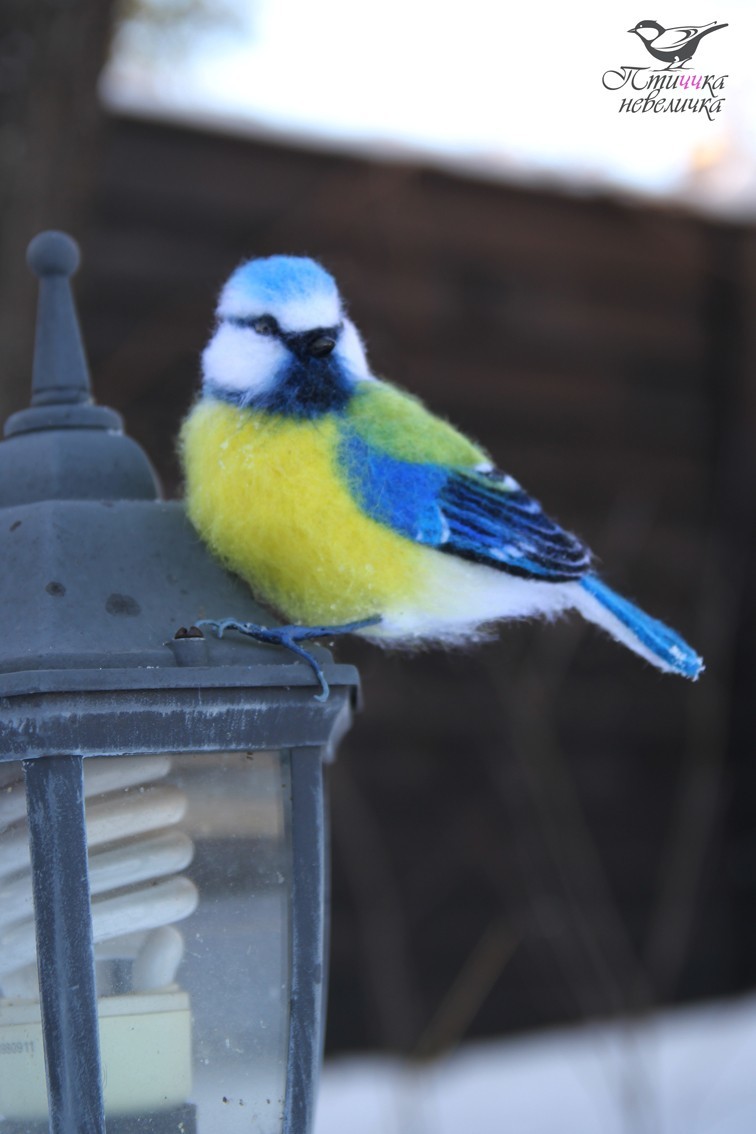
[{"x": 687, "y": 1071}]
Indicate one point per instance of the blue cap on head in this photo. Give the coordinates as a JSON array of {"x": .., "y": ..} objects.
[{"x": 280, "y": 279}]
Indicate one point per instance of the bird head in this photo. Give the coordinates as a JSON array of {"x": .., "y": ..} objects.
[
  {"x": 283, "y": 341},
  {"x": 647, "y": 29}
]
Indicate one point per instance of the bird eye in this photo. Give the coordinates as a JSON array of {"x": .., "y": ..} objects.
[{"x": 265, "y": 325}]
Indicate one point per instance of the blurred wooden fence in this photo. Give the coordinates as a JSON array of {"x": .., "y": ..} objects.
[{"x": 542, "y": 829}]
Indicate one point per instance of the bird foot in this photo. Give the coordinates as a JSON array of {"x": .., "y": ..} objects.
[{"x": 289, "y": 637}]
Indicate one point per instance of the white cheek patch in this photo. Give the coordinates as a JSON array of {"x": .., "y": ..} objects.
[
  {"x": 351, "y": 352},
  {"x": 240, "y": 360}
]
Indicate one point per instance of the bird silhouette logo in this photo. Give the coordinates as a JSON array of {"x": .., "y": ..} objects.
[{"x": 673, "y": 46}]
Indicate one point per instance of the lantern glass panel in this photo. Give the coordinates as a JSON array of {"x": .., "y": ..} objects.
[
  {"x": 23, "y": 1095},
  {"x": 190, "y": 873}
]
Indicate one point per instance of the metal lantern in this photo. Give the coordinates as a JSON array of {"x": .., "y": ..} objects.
[{"x": 161, "y": 796}]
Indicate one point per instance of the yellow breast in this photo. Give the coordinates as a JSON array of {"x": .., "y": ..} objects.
[{"x": 266, "y": 494}]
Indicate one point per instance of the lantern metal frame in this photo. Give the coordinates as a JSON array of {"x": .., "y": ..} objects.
[{"x": 90, "y": 666}]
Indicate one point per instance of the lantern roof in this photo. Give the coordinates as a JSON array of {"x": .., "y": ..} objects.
[{"x": 100, "y": 573}]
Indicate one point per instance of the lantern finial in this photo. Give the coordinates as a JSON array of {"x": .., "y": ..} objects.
[
  {"x": 53, "y": 253},
  {"x": 73, "y": 449},
  {"x": 60, "y": 375},
  {"x": 61, "y": 391}
]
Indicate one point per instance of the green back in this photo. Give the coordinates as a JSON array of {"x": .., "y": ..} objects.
[{"x": 399, "y": 424}]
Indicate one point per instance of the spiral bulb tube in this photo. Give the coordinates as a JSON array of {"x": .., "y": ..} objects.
[{"x": 136, "y": 854}]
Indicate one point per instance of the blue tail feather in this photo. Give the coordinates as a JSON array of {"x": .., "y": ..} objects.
[{"x": 667, "y": 649}]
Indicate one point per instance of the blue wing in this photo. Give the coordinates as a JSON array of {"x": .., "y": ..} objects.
[{"x": 482, "y": 516}]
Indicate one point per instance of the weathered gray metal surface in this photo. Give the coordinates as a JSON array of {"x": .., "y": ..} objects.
[
  {"x": 92, "y": 595},
  {"x": 308, "y": 945},
  {"x": 58, "y": 844}
]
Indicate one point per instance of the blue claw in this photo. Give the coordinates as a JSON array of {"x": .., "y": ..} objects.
[{"x": 288, "y": 637}]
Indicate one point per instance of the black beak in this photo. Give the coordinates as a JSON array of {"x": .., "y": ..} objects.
[
  {"x": 321, "y": 345},
  {"x": 317, "y": 343}
]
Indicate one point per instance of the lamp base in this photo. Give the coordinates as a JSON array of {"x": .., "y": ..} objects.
[
  {"x": 182, "y": 1120},
  {"x": 145, "y": 1039}
]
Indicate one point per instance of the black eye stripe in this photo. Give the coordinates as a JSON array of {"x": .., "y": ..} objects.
[
  {"x": 267, "y": 325},
  {"x": 263, "y": 324},
  {"x": 301, "y": 338}
]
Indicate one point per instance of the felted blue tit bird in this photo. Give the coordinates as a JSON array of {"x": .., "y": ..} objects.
[{"x": 348, "y": 506}]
